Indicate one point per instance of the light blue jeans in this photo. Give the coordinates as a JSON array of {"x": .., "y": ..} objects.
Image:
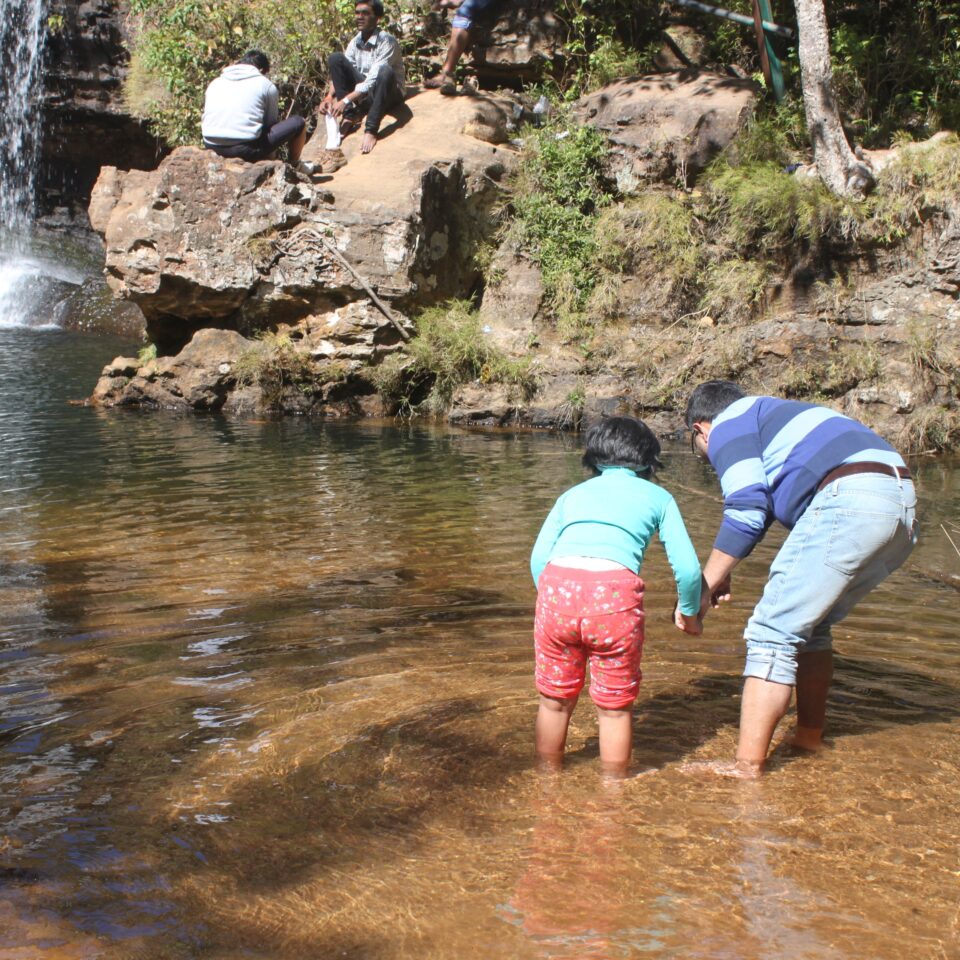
[{"x": 856, "y": 531}]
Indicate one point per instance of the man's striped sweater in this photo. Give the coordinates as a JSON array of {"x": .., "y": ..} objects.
[{"x": 771, "y": 455}]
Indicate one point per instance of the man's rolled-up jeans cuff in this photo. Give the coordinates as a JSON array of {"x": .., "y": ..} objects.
[{"x": 775, "y": 664}]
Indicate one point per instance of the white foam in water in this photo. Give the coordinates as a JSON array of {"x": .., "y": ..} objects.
[{"x": 31, "y": 286}]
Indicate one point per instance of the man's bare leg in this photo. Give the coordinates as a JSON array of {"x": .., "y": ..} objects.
[
  {"x": 369, "y": 141},
  {"x": 295, "y": 146},
  {"x": 459, "y": 42},
  {"x": 764, "y": 703},
  {"x": 814, "y": 675}
]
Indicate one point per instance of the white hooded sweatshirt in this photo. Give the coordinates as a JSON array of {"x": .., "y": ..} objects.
[{"x": 239, "y": 105}]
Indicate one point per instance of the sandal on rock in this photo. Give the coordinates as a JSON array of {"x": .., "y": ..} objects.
[{"x": 443, "y": 82}]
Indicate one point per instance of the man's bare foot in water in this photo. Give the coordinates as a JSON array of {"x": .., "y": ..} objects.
[
  {"x": 808, "y": 739},
  {"x": 735, "y": 769},
  {"x": 368, "y": 143}
]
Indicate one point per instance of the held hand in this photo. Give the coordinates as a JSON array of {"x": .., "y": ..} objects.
[
  {"x": 688, "y": 624},
  {"x": 326, "y": 105},
  {"x": 720, "y": 593}
]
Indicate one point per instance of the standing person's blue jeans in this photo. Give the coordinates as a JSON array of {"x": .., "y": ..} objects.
[{"x": 856, "y": 531}]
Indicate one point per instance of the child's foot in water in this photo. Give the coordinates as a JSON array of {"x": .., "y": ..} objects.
[{"x": 733, "y": 769}]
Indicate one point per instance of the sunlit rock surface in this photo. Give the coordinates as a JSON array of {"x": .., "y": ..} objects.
[
  {"x": 667, "y": 126},
  {"x": 206, "y": 241}
]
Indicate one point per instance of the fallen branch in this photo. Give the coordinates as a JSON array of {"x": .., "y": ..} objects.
[{"x": 313, "y": 237}]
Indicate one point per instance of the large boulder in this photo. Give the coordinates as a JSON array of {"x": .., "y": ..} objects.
[
  {"x": 667, "y": 126},
  {"x": 203, "y": 241},
  {"x": 523, "y": 40},
  {"x": 201, "y": 377}
]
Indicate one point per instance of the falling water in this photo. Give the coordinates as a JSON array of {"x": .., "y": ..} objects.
[
  {"x": 21, "y": 50},
  {"x": 28, "y": 276}
]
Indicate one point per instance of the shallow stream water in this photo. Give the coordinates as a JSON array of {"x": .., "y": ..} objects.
[{"x": 265, "y": 691}]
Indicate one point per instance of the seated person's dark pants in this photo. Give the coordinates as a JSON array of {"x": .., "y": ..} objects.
[
  {"x": 265, "y": 144},
  {"x": 385, "y": 94}
]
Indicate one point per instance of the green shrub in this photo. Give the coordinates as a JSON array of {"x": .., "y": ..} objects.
[
  {"x": 558, "y": 194},
  {"x": 654, "y": 229},
  {"x": 274, "y": 365},
  {"x": 758, "y": 206},
  {"x": 179, "y": 46},
  {"x": 449, "y": 349},
  {"x": 732, "y": 288},
  {"x": 606, "y": 40}
]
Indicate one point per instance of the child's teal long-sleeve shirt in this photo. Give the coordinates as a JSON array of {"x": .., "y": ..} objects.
[{"x": 614, "y": 517}]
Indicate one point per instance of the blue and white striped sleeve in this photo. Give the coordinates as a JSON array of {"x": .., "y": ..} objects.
[{"x": 737, "y": 455}]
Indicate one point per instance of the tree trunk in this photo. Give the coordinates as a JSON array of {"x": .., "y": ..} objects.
[{"x": 839, "y": 169}]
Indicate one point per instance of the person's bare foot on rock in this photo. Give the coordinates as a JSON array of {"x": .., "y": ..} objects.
[
  {"x": 368, "y": 143},
  {"x": 734, "y": 769}
]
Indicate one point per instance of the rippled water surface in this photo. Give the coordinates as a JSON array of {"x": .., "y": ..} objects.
[{"x": 266, "y": 692}]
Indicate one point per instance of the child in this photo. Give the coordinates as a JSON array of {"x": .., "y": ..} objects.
[{"x": 586, "y": 564}]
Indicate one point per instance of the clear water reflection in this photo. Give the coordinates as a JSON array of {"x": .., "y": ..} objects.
[{"x": 266, "y": 692}]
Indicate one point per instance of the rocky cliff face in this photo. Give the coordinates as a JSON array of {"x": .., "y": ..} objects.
[
  {"x": 85, "y": 122},
  {"x": 205, "y": 243}
]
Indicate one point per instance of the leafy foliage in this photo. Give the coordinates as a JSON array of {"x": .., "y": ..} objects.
[
  {"x": 896, "y": 66},
  {"x": 558, "y": 195},
  {"x": 449, "y": 349},
  {"x": 606, "y": 40},
  {"x": 179, "y": 46},
  {"x": 275, "y": 365}
]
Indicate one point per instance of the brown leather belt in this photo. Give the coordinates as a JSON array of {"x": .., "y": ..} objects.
[{"x": 866, "y": 466}]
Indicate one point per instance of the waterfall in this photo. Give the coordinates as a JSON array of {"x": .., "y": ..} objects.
[
  {"x": 24, "y": 272},
  {"x": 22, "y": 25}
]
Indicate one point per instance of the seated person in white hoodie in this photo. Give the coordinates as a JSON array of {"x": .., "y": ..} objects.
[{"x": 241, "y": 114}]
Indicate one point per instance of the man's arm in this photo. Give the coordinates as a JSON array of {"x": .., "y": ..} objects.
[{"x": 716, "y": 574}]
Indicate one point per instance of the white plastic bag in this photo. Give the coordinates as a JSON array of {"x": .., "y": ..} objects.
[{"x": 333, "y": 132}]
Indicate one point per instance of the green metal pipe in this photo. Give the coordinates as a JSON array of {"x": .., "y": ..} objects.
[{"x": 736, "y": 17}]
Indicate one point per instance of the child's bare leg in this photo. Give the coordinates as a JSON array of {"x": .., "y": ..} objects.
[
  {"x": 616, "y": 739},
  {"x": 553, "y": 719}
]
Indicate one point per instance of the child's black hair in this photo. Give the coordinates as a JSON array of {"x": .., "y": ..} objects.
[
  {"x": 622, "y": 442},
  {"x": 710, "y": 399}
]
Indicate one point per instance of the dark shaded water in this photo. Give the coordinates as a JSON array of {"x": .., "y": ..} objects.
[{"x": 266, "y": 692}]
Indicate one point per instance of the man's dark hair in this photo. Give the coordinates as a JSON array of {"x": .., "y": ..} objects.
[
  {"x": 710, "y": 399},
  {"x": 375, "y": 5},
  {"x": 258, "y": 59},
  {"x": 622, "y": 442}
]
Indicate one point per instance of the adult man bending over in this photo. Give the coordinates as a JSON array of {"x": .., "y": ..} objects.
[
  {"x": 241, "y": 113},
  {"x": 368, "y": 77},
  {"x": 847, "y": 498}
]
